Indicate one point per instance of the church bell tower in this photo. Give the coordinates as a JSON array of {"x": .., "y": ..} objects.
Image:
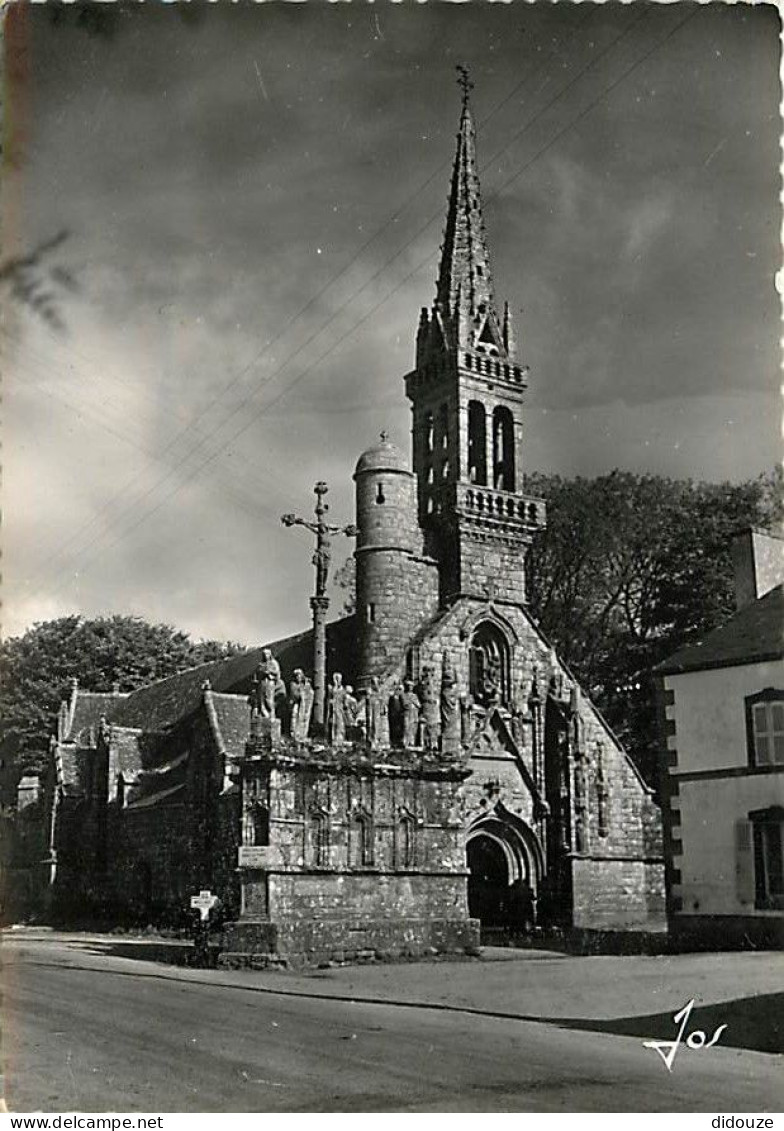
[{"x": 466, "y": 396}]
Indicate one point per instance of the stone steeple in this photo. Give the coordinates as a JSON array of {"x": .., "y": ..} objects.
[
  {"x": 466, "y": 392},
  {"x": 465, "y": 304}
]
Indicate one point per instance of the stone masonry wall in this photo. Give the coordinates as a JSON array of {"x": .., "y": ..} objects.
[
  {"x": 617, "y": 894},
  {"x": 412, "y": 824},
  {"x": 396, "y": 594},
  {"x": 492, "y": 562},
  {"x": 623, "y": 822},
  {"x": 357, "y": 859},
  {"x": 151, "y": 866}
]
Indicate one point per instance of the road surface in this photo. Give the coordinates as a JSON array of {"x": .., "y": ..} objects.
[{"x": 91, "y": 1032}]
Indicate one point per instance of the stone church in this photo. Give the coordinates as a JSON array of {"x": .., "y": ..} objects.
[{"x": 394, "y": 780}]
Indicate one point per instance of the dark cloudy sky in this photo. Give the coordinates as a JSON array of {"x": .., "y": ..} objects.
[{"x": 255, "y": 198}]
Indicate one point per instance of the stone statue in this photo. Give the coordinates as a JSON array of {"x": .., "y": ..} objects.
[
  {"x": 450, "y": 708},
  {"x": 491, "y": 680},
  {"x": 431, "y": 714},
  {"x": 267, "y": 683},
  {"x": 336, "y": 711},
  {"x": 411, "y": 707},
  {"x": 301, "y": 703},
  {"x": 396, "y": 715},
  {"x": 352, "y": 706},
  {"x": 321, "y": 560},
  {"x": 466, "y": 719},
  {"x": 374, "y": 713},
  {"x": 353, "y": 715}
]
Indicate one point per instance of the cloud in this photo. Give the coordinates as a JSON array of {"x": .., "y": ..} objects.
[{"x": 637, "y": 251}]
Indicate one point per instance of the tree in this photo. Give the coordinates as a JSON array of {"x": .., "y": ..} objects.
[
  {"x": 346, "y": 580},
  {"x": 36, "y": 670},
  {"x": 629, "y": 569}
]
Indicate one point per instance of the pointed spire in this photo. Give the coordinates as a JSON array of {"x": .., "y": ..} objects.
[
  {"x": 464, "y": 277},
  {"x": 509, "y": 334}
]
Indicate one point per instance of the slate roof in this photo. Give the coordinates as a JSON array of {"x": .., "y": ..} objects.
[
  {"x": 72, "y": 763},
  {"x": 753, "y": 635},
  {"x": 87, "y": 712},
  {"x": 232, "y": 716},
  {"x": 125, "y": 749},
  {"x": 161, "y": 706},
  {"x": 155, "y": 784}
]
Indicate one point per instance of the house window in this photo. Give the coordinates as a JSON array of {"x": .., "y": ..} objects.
[
  {"x": 768, "y": 838},
  {"x": 370, "y": 611},
  {"x": 765, "y": 727},
  {"x": 380, "y": 497}
]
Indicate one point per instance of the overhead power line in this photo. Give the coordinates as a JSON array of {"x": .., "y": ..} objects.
[
  {"x": 264, "y": 408},
  {"x": 78, "y": 535}
]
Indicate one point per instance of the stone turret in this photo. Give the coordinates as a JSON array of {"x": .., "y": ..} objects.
[{"x": 397, "y": 586}]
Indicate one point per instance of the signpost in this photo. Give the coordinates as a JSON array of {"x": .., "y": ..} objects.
[{"x": 203, "y": 903}]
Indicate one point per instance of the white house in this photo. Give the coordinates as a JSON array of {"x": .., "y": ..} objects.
[{"x": 723, "y": 772}]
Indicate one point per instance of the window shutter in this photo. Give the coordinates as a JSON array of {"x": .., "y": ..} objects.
[{"x": 744, "y": 861}]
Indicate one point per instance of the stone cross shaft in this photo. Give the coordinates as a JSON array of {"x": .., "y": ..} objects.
[{"x": 319, "y": 602}]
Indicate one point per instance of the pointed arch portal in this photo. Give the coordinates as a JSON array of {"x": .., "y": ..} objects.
[{"x": 505, "y": 869}]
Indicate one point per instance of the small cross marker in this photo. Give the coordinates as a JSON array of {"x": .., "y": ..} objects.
[{"x": 203, "y": 903}]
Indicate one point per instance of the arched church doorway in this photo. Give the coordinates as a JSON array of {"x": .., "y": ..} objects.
[
  {"x": 504, "y": 863},
  {"x": 488, "y": 882}
]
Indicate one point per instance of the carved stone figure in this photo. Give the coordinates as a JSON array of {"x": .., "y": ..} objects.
[
  {"x": 267, "y": 683},
  {"x": 321, "y": 560},
  {"x": 352, "y": 706},
  {"x": 431, "y": 714},
  {"x": 411, "y": 708},
  {"x": 336, "y": 711},
  {"x": 450, "y": 708},
  {"x": 491, "y": 682},
  {"x": 466, "y": 719},
  {"x": 396, "y": 712},
  {"x": 301, "y": 702},
  {"x": 374, "y": 713}
]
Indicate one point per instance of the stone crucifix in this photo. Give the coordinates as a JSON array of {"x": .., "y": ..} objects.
[{"x": 319, "y": 602}]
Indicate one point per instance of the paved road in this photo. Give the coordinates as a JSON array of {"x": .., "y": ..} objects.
[{"x": 90, "y": 1032}]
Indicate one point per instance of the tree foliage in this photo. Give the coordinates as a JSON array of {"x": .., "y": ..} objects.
[
  {"x": 346, "y": 581},
  {"x": 629, "y": 569},
  {"x": 36, "y": 670}
]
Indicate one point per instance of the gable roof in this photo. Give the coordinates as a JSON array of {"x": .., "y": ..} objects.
[
  {"x": 230, "y": 717},
  {"x": 160, "y": 706},
  {"x": 125, "y": 750},
  {"x": 86, "y": 710},
  {"x": 753, "y": 635}
]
